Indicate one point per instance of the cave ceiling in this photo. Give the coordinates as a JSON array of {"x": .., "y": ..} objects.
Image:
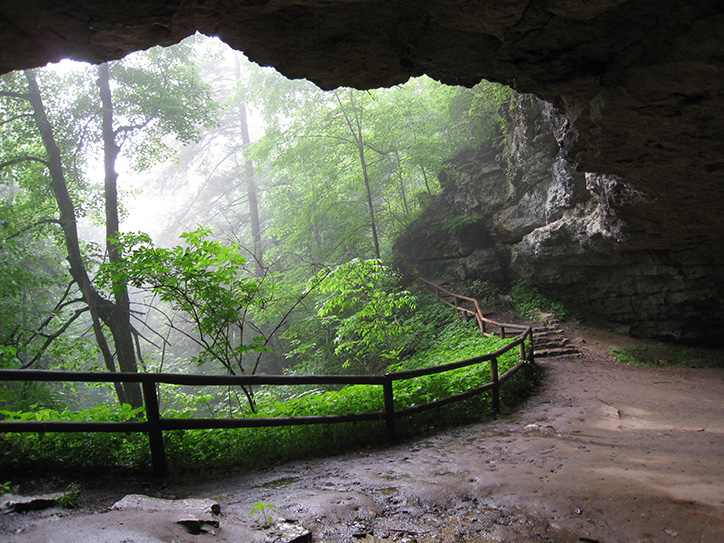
[{"x": 641, "y": 81}]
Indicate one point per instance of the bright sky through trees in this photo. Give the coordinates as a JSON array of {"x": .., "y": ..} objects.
[{"x": 298, "y": 190}]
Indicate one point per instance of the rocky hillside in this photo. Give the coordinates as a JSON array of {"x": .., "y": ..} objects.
[{"x": 518, "y": 209}]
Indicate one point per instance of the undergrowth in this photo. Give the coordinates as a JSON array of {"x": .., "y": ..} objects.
[
  {"x": 247, "y": 447},
  {"x": 530, "y": 303},
  {"x": 665, "y": 355}
]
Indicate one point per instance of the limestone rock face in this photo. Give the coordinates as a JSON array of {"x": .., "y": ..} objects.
[{"x": 535, "y": 217}]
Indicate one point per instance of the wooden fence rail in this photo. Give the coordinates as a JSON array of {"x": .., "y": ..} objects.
[
  {"x": 456, "y": 301},
  {"x": 155, "y": 424}
]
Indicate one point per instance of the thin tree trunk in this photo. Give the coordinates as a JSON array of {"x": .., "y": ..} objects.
[
  {"x": 356, "y": 133},
  {"x": 373, "y": 223},
  {"x": 120, "y": 319},
  {"x": 427, "y": 184},
  {"x": 250, "y": 185},
  {"x": 403, "y": 193},
  {"x": 252, "y": 196}
]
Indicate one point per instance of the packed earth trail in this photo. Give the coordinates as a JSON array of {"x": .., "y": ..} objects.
[{"x": 604, "y": 452}]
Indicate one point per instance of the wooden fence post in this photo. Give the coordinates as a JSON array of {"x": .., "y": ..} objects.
[
  {"x": 155, "y": 435},
  {"x": 389, "y": 409},
  {"x": 522, "y": 350},
  {"x": 531, "y": 353},
  {"x": 496, "y": 385}
]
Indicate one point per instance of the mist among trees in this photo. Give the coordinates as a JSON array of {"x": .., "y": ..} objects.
[{"x": 184, "y": 210}]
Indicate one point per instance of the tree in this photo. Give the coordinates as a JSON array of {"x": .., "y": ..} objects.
[
  {"x": 207, "y": 283},
  {"x": 359, "y": 321},
  {"x": 99, "y": 307},
  {"x": 148, "y": 104},
  {"x": 335, "y": 176},
  {"x": 222, "y": 179},
  {"x": 352, "y": 114},
  {"x": 355, "y": 160},
  {"x": 38, "y": 305},
  {"x": 204, "y": 281},
  {"x": 251, "y": 189}
]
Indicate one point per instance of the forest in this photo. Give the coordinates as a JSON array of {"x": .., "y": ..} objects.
[{"x": 184, "y": 210}]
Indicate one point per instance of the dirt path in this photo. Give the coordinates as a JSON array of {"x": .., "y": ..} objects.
[{"x": 604, "y": 453}]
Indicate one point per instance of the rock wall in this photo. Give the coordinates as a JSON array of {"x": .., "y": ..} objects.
[{"x": 518, "y": 209}]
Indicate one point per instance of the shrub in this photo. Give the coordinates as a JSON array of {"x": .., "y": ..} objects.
[
  {"x": 530, "y": 303},
  {"x": 484, "y": 292}
]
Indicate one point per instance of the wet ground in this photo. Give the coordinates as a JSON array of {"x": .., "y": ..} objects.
[{"x": 603, "y": 453}]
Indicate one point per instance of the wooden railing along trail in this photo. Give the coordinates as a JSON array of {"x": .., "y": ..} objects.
[
  {"x": 155, "y": 424},
  {"x": 456, "y": 301}
]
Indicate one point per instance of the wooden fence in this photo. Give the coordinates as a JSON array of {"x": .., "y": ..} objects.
[
  {"x": 457, "y": 302},
  {"x": 155, "y": 424}
]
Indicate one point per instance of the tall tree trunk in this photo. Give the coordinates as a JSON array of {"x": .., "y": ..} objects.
[
  {"x": 370, "y": 205},
  {"x": 99, "y": 307},
  {"x": 251, "y": 196},
  {"x": 120, "y": 319},
  {"x": 356, "y": 133},
  {"x": 403, "y": 192},
  {"x": 250, "y": 184}
]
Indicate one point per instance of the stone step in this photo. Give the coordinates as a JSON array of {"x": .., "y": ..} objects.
[
  {"x": 555, "y": 352},
  {"x": 548, "y": 335},
  {"x": 547, "y": 332},
  {"x": 551, "y": 342}
]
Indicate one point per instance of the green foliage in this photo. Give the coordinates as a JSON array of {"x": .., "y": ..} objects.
[
  {"x": 320, "y": 147},
  {"x": 74, "y": 450},
  {"x": 204, "y": 279},
  {"x": 530, "y": 303},
  {"x": 426, "y": 323},
  {"x": 71, "y": 496},
  {"x": 359, "y": 319},
  {"x": 487, "y": 110},
  {"x": 360, "y": 304},
  {"x": 36, "y": 301},
  {"x": 454, "y": 225},
  {"x": 330, "y": 167},
  {"x": 458, "y": 341},
  {"x": 262, "y": 516},
  {"x": 56, "y": 128},
  {"x": 157, "y": 93},
  {"x": 485, "y": 293},
  {"x": 196, "y": 449},
  {"x": 123, "y": 412},
  {"x": 666, "y": 355}
]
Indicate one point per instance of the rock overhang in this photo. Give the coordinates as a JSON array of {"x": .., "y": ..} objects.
[{"x": 642, "y": 80}]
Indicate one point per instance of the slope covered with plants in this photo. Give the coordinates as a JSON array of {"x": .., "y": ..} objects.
[{"x": 185, "y": 211}]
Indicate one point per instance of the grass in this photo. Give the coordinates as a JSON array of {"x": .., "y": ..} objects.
[
  {"x": 660, "y": 356},
  {"x": 69, "y": 499}
]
